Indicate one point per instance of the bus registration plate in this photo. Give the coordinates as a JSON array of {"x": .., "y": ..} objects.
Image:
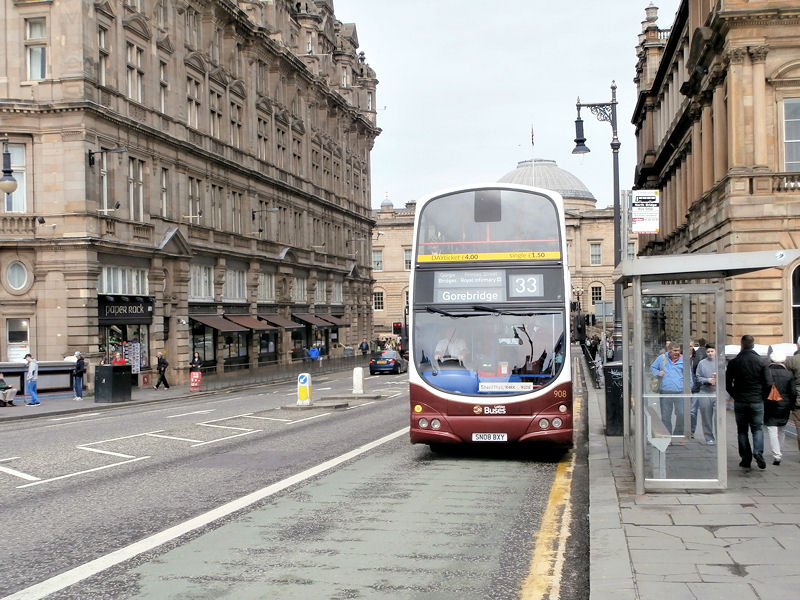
[{"x": 489, "y": 437}]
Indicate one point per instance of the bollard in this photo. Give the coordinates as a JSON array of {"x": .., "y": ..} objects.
[
  {"x": 358, "y": 380},
  {"x": 304, "y": 389}
]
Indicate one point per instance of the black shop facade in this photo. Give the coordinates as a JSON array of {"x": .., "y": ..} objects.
[{"x": 125, "y": 323}]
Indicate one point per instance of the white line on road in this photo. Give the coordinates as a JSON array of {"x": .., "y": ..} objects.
[
  {"x": 124, "y": 462},
  {"x": 224, "y": 427},
  {"x": 80, "y": 416},
  {"x": 197, "y": 412},
  {"x": 171, "y": 437},
  {"x": 68, "y": 578},
  {"x": 308, "y": 418},
  {"x": 267, "y": 418},
  {"x": 9, "y": 458},
  {"x": 222, "y": 439},
  {"x": 19, "y": 474},
  {"x": 109, "y": 452}
]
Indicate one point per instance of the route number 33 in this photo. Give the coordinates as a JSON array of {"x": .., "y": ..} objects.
[{"x": 526, "y": 286}]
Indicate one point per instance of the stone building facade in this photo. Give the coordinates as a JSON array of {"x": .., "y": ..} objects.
[
  {"x": 191, "y": 175},
  {"x": 590, "y": 245},
  {"x": 717, "y": 122}
]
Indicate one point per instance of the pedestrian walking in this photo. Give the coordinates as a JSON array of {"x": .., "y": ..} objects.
[
  {"x": 669, "y": 371},
  {"x": 161, "y": 368},
  {"x": 77, "y": 375},
  {"x": 364, "y": 347},
  {"x": 776, "y": 413},
  {"x": 31, "y": 379},
  {"x": 745, "y": 382}
]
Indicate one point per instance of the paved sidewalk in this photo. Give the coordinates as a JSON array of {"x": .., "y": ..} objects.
[{"x": 742, "y": 543}]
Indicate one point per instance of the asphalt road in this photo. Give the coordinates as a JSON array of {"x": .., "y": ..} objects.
[{"x": 394, "y": 521}]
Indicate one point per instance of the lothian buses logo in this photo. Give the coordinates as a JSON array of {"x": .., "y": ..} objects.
[{"x": 489, "y": 410}]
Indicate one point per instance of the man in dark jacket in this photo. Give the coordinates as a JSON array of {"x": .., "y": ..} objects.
[
  {"x": 77, "y": 375},
  {"x": 745, "y": 382},
  {"x": 161, "y": 368}
]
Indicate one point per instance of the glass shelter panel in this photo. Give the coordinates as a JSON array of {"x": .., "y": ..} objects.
[{"x": 674, "y": 409}]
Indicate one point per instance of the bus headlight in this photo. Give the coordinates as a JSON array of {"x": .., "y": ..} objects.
[
  {"x": 557, "y": 422},
  {"x": 544, "y": 423},
  {"x": 418, "y": 408},
  {"x": 562, "y": 408},
  {"x": 436, "y": 424},
  {"x": 423, "y": 423}
]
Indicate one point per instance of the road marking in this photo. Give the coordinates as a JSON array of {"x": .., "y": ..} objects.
[
  {"x": 309, "y": 418},
  {"x": 19, "y": 474},
  {"x": 225, "y": 427},
  {"x": 68, "y": 475},
  {"x": 80, "y": 416},
  {"x": 197, "y": 412},
  {"x": 109, "y": 452},
  {"x": 171, "y": 437},
  {"x": 79, "y": 573},
  {"x": 9, "y": 458},
  {"x": 267, "y": 418},
  {"x": 222, "y": 439},
  {"x": 550, "y": 544}
]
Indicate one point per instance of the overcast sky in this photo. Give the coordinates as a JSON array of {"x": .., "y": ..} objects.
[{"x": 463, "y": 81}]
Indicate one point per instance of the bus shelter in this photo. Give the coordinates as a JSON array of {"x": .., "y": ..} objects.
[{"x": 679, "y": 298}]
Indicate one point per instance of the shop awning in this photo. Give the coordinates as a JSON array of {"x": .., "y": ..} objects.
[
  {"x": 250, "y": 322},
  {"x": 335, "y": 320},
  {"x": 311, "y": 319},
  {"x": 218, "y": 323},
  {"x": 279, "y": 321}
]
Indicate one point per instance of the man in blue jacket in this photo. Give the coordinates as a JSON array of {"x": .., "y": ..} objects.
[
  {"x": 746, "y": 383},
  {"x": 668, "y": 367}
]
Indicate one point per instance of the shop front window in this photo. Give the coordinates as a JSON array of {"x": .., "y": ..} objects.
[
  {"x": 203, "y": 342},
  {"x": 234, "y": 350},
  {"x": 268, "y": 348},
  {"x": 132, "y": 341},
  {"x": 298, "y": 343}
]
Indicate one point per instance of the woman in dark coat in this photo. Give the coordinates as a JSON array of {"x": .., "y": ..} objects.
[{"x": 776, "y": 414}]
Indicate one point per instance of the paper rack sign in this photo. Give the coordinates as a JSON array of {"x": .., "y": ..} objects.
[{"x": 645, "y": 211}]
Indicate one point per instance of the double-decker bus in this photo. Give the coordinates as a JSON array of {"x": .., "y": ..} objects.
[{"x": 489, "y": 318}]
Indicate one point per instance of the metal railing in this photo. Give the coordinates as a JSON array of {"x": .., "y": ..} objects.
[{"x": 274, "y": 373}]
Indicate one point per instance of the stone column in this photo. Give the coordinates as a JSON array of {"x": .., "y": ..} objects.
[
  {"x": 719, "y": 117},
  {"x": 736, "y": 137},
  {"x": 758, "y": 57},
  {"x": 707, "y": 143}
]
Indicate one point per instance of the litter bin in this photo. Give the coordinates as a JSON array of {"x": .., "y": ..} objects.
[
  {"x": 348, "y": 351},
  {"x": 112, "y": 383},
  {"x": 612, "y": 373}
]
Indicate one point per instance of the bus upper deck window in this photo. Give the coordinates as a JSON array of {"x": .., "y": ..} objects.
[{"x": 487, "y": 206}]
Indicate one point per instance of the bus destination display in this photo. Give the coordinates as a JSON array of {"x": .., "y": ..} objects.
[{"x": 495, "y": 285}]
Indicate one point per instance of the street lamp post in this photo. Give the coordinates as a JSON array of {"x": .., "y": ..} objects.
[{"x": 607, "y": 111}]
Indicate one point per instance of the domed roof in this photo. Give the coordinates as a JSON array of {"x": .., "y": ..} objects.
[{"x": 550, "y": 176}]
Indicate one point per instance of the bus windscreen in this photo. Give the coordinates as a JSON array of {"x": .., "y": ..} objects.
[{"x": 489, "y": 225}]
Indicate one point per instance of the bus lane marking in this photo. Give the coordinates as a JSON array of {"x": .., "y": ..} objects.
[
  {"x": 550, "y": 542},
  {"x": 98, "y": 565}
]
